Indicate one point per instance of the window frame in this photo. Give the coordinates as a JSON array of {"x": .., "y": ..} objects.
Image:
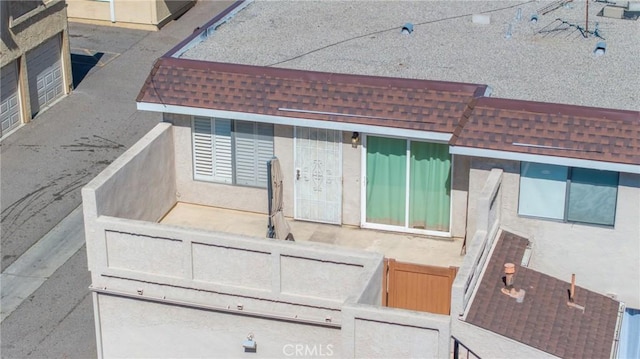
[
  {"x": 568, "y": 183},
  {"x": 234, "y": 162}
]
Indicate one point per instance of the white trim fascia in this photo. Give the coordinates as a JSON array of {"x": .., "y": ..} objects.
[
  {"x": 301, "y": 122},
  {"x": 553, "y": 160}
]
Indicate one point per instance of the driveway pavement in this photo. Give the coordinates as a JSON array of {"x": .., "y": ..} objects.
[{"x": 46, "y": 163}]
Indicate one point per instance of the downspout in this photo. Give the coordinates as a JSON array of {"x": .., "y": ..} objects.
[{"x": 112, "y": 8}]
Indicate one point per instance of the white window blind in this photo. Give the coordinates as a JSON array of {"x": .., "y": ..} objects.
[
  {"x": 202, "y": 149},
  {"x": 222, "y": 166},
  {"x": 230, "y": 151}
]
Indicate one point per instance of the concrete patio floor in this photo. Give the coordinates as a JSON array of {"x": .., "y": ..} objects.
[{"x": 400, "y": 246}]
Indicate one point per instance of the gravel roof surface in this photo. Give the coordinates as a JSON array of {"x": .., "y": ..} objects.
[{"x": 363, "y": 37}]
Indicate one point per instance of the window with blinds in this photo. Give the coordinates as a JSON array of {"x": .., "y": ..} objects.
[{"x": 229, "y": 151}]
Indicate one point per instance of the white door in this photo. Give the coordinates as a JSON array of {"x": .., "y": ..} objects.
[
  {"x": 45, "y": 74},
  {"x": 318, "y": 175},
  {"x": 9, "y": 104}
]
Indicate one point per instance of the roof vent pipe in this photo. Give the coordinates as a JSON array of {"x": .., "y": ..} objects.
[
  {"x": 509, "y": 32},
  {"x": 407, "y": 28},
  {"x": 601, "y": 48},
  {"x": 509, "y": 273},
  {"x": 534, "y": 18}
]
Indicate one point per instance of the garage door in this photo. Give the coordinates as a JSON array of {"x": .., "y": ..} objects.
[
  {"x": 9, "y": 107},
  {"x": 45, "y": 74}
]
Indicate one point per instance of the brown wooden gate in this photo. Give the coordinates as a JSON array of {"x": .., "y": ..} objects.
[{"x": 417, "y": 287}]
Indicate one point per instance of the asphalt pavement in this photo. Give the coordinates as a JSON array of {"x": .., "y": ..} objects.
[{"x": 44, "y": 165}]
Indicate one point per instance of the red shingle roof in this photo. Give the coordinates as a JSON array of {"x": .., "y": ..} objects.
[
  {"x": 553, "y": 130},
  {"x": 544, "y": 320},
  {"x": 476, "y": 122},
  {"x": 379, "y": 101}
]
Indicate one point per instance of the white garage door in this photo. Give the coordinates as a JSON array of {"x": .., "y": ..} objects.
[
  {"x": 9, "y": 107},
  {"x": 45, "y": 74}
]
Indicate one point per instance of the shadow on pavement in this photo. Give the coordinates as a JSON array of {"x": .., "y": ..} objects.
[{"x": 82, "y": 64}]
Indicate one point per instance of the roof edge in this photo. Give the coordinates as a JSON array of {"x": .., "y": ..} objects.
[
  {"x": 554, "y": 160},
  {"x": 203, "y": 31},
  {"x": 379, "y": 81},
  {"x": 558, "y": 109},
  {"x": 442, "y": 137}
]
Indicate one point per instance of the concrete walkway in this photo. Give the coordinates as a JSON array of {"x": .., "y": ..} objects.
[{"x": 34, "y": 267}]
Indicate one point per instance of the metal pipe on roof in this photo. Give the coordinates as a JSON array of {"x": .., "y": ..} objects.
[{"x": 326, "y": 322}]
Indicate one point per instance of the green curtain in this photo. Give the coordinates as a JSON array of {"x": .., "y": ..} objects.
[
  {"x": 386, "y": 180},
  {"x": 430, "y": 186}
]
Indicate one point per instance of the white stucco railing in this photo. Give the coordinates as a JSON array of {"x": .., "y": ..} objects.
[
  {"x": 488, "y": 223},
  {"x": 367, "y": 332},
  {"x": 198, "y": 266}
]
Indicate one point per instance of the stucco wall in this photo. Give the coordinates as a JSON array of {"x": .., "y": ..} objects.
[
  {"x": 212, "y": 282},
  {"x": 140, "y": 184},
  {"x": 255, "y": 199},
  {"x": 487, "y": 217},
  {"x": 372, "y": 292},
  {"x": 136, "y": 328},
  {"x": 459, "y": 197},
  {"x": 30, "y": 29},
  {"x": 24, "y": 27},
  {"x": 167, "y": 291},
  {"x": 147, "y": 14},
  {"x": 283, "y": 149},
  {"x": 140, "y": 12},
  {"x": 351, "y": 180},
  {"x": 381, "y": 332},
  {"x": 168, "y": 9},
  {"x": 89, "y": 9},
  {"x": 605, "y": 260},
  {"x": 241, "y": 198}
]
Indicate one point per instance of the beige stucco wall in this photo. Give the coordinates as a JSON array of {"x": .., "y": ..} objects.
[
  {"x": 89, "y": 9},
  {"x": 191, "y": 292},
  {"x": 170, "y": 9},
  {"x": 605, "y": 260},
  {"x": 144, "y": 14},
  {"x": 197, "y": 282},
  {"x": 459, "y": 198},
  {"x": 24, "y": 27},
  {"x": 26, "y": 32},
  {"x": 241, "y": 198},
  {"x": 140, "y": 184},
  {"x": 141, "y": 329},
  {"x": 255, "y": 199}
]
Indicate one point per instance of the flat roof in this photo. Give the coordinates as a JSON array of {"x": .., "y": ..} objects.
[{"x": 546, "y": 61}]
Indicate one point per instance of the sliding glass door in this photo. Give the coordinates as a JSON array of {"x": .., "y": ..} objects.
[
  {"x": 386, "y": 180},
  {"x": 408, "y": 184}
]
